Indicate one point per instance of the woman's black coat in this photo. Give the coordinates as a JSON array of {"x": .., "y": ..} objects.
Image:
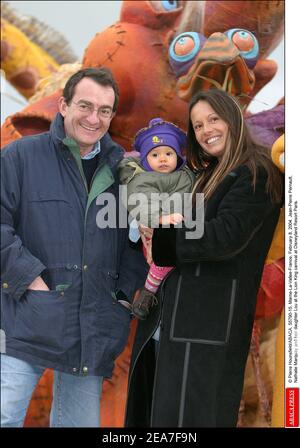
[{"x": 206, "y": 307}]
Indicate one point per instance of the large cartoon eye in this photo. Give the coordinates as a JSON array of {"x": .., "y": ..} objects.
[
  {"x": 185, "y": 46},
  {"x": 166, "y": 6},
  {"x": 183, "y": 50},
  {"x": 169, "y": 5},
  {"x": 247, "y": 44}
]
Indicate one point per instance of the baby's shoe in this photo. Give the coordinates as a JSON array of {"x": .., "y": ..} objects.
[{"x": 141, "y": 306}]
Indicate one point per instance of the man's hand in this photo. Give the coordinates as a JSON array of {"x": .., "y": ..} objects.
[
  {"x": 38, "y": 284},
  {"x": 174, "y": 218}
]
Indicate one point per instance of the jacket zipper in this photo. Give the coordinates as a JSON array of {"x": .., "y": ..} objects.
[
  {"x": 155, "y": 374},
  {"x": 83, "y": 264},
  {"x": 83, "y": 253},
  {"x": 146, "y": 342}
]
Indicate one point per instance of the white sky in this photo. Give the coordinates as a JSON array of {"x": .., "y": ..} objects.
[{"x": 90, "y": 17}]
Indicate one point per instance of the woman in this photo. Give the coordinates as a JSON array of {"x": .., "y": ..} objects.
[{"x": 207, "y": 304}]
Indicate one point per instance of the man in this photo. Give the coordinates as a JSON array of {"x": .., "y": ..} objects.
[{"x": 67, "y": 282}]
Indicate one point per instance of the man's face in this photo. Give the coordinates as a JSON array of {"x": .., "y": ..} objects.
[{"x": 82, "y": 118}]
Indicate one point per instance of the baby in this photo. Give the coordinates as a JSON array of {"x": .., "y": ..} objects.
[{"x": 160, "y": 169}]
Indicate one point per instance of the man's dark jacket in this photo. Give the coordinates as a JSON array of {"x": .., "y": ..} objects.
[{"x": 50, "y": 227}]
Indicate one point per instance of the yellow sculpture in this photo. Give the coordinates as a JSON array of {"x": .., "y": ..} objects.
[{"x": 30, "y": 50}]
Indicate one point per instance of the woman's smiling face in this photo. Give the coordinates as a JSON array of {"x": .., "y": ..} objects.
[{"x": 211, "y": 131}]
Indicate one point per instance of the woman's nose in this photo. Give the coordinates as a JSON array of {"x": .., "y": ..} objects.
[{"x": 207, "y": 128}]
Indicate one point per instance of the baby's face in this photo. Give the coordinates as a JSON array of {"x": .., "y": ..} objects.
[{"x": 162, "y": 159}]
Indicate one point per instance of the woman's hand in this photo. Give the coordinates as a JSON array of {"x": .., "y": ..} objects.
[
  {"x": 146, "y": 237},
  {"x": 174, "y": 218},
  {"x": 145, "y": 232},
  {"x": 149, "y": 252}
]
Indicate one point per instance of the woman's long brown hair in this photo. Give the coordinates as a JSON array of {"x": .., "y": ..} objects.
[{"x": 241, "y": 149}]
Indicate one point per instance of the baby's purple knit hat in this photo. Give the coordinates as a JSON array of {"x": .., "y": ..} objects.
[{"x": 159, "y": 133}]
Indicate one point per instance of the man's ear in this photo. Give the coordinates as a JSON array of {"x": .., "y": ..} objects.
[{"x": 62, "y": 106}]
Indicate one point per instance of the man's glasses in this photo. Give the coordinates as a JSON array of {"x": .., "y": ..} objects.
[{"x": 88, "y": 108}]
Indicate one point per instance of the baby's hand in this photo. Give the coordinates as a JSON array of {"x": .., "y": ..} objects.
[{"x": 174, "y": 218}]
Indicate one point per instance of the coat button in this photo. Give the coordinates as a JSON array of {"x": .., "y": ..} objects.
[
  {"x": 85, "y": 268},
  {"x": 85, "y": 370},
  {"x": 5, "y": 285}
]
